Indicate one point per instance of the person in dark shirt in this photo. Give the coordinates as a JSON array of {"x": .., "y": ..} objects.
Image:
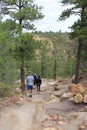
[
  {"x": 35, "y": 78},
  {"x": 38, "y": 83}
]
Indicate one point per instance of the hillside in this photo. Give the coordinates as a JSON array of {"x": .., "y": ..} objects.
[{"x": 56, "y": 48}]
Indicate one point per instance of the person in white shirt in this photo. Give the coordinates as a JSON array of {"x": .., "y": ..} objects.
[{"x": 30, "y": 83}]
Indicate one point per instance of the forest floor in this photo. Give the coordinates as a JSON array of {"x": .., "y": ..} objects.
[{"x": 44, "y": 111}]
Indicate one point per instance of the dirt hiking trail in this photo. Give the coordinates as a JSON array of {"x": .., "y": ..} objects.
[{"x": 43, "y": 112}]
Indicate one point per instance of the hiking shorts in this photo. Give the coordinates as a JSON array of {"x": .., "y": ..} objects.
[{"x": 29, "y": 87}]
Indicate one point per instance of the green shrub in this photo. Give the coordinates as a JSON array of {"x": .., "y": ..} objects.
[{"x": 4, "y": 90}]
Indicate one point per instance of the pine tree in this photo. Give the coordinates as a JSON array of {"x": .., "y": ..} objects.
[
  {"x": 23, "y": 13},
  {"x": 79, "y": 28}
]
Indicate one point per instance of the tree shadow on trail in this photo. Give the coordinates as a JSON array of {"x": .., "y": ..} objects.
[{"x": 65, "y": 107}]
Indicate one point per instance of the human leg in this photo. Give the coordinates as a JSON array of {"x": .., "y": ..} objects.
[
  {"x": 30, "y": 87},
  {"x": 39, "y": 87}
]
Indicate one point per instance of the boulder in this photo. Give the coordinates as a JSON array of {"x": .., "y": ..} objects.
[
  {"x": 74, "y": 115},
  {"x": 78, "y": 98},
  {"x": 49, "y": 128},
  {"x": 77, "y": 88},
  {"x": 58, "y": 87},
  {"x": 82, "y": 127},
  {"x": 53, "y": 98},
  {"x": 66, "y": 96},
  {"x": 57, "y": 93},
  {"x": 83, "y": 124},
  {"x": 85, "y": 98},
  {"x": 85, "y": 109}
]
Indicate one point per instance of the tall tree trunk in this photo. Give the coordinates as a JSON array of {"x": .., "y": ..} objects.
[
  {"x": 55, "y": 61},
  {"x": 55, "y": 67},
  {"x": 22, "y": 76},
  {"x": 77, "y": 71},
  {"x": 22, "y": 79}
]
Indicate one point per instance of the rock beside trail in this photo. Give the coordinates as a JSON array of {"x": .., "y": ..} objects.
[
  {"x": 57, "y": 93},
  {"x": 66, "y": 96},
  {"x": 57, "y": 87},
  {"x": 85, "y": 98},
  {"x": 49, "y": 129},
  {"x": 78, "y": 98},
  {"x": 53, "y": 98},
  {"x": 79, "y": 92},
  {"x": 85, "y": 109},
  {"x": 77, "y": 88},
  {"x": 83, "y": 125}
]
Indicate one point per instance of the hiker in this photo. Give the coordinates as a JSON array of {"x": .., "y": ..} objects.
[
  {"x": 35, "y": 79},
  {"x": 30, "y": 83},
  {"x": 38, "y": 83}
]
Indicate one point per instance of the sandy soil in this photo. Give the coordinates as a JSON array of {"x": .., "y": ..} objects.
[{"x": 28, "y": 116}]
